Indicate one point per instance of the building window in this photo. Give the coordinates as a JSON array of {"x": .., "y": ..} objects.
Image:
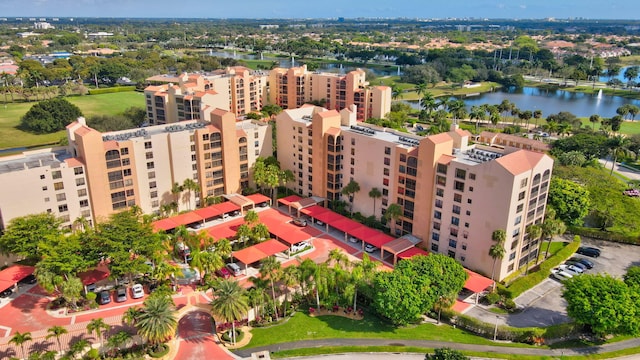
[
  {"x": 56, "y": 174},
  {"x": 457, "y": 198},
  {"x": 149, "y": 155},
  {"x": 437, "y": 214},
  {"x": 472, "y": 176},
  {"x": 523, "y": 183},
  {"x": 387, "y": 150},
  {"x": 126, "y": 172},
  {"x": 459, "y": 185},
  {"x": 61, "y": 197},
  {"x": 456, "y": 209},
  {"x": 403, "y": 158},
  {"x": 518, "y": 220},
  {"x": 455, "y": 221},
  {"x": 150, "y": 165},
  {"x": 154, "y": 194},
  {"x": 386, "y": 171},
  {"x": 42, "y": 177},
  {"x": 512, "y": 256},
  {"x": 82, "y": 192},
  {"x": 521, "y": 196},
  {"x": 442, "y": 169},
  {"x": 385, "y": 182},
  {"x": 439, "y": 192},
  {"x": 152, "y": 185},
  {"x": 464, "y": 246},
  {"x": 147, "y": 144},
  {"x": 387, "y": 161},
  {"x": 434, "y": 247},
  {"x": 78, "y": 171},
  {"x": 453, "y": 243},
  {"x": 435, "y": 236},
  {"x": 469, "y": 201},
  {"x": 124, "y": 151},
  {"x": 63, "y": 208},
  {"x": 79, "y": 181},
  {"x": 58, "y": 186},
  {"x": 451, "y": 254},
  {"x": 441, "y": 180},
  {"x": 84, "y": 203},
  {"x": 461, "y": 174},
  {"x": 126, "y": 162}
]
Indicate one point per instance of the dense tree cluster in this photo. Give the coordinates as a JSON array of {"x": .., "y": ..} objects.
[
  {"x": 49, "y": 116},
  {"x": 570, "y": 200}
]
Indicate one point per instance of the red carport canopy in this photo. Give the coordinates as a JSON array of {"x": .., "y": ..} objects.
[
  {"x": 187, "y": 218},
  {"x": 287, "y": 201},
  {"x": 476, "y": 282},
  {"x": 314, "y": 211},
  {"x": 414, "y": 251},
  {"x": 164, "y": 224},
  {"x": 259, "y": 251},
  {"x": 258, "y": 198},
  {"x": 345, "y": 224},
  {"x": 379, "y": 240},
  {"x": 363, "y": 232},
  {"x": 14, "y": 273},
  {"x": 223, "y": 231},
  {"x": 100, "y": 272},
  {"x": 330, "y": 217},
  {"x": 208, "y": 212},
  {"x": 227, "y": 207}
]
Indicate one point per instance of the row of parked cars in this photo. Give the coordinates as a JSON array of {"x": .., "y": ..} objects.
[
  {"x": 104, "y": 296},
  {"x": 30, "y": 280},
  {"x": 228, "y": 270},
  {"x": 576, "y": 265}
]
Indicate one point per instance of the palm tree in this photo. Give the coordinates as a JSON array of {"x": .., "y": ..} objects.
[
  {"x": 534, "y": 232},
  {"x": 229, "y": 303},
  {"x": 396, "y": 91},
  {"x": 119, "y": 339},
  {"x": 421, "y": 88},
  {"x": 551, "y": 227},
  {"x": 393, "y": 213},
  {"x": 57, "y": 331},
  {"x": 130, "y": 315},
  {"x": 176, "y": 189},
  {"x": 594, "y": 119},
  {"x": 156, "y": 322},
  {"x": 189, "y": 185},
  {"x": 288, "y": 278},
  {"x": 78, "y": 347},
  {"x": 374, "y": 193},
  {"x": 618, "y": 144},
  {"x": 270, "y": 269},
  {"x": 537, "y": 114},
  {"x": 444, "y": 301},
  {"x": 98, "y": 326},
  {"x": 478, "y": 113},
  {"x": 350, "y": 189},
  {"x": 20, "y": 339},
  {"x": 497, "y": 251},
  {"x": 428, "y": 102}
]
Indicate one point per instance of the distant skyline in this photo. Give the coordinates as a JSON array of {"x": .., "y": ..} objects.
[{"x": 493, "y": 9}]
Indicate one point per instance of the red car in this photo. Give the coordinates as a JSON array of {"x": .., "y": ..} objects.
[{"x": 223, "y": 273}]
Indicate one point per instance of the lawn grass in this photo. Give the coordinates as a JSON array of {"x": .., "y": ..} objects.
[
  {"x": 108, "y": 104},
  {"x": 304, "y": 327}
]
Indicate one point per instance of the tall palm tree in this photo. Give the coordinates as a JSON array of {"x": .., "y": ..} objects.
[
  {"x": 206, "y": 262},
  {"x": 594, "y": 119},
  {"x": 551, "y": 227},
  {"x": 57, "y": 331},
  {"x": 497, "y": 251},
  {"x": 156, "y": 322},
  {"x": 537, "y": 115},
  {"x": 288, "y": 278},
  {"x": 119, "y": 339},
  {"x": 270, "y": 269},
  {"x": 428, "y": 103},
  {"x": 130, "y": 315},
  {"x": 78, "y": 347},
  {"x": 478, "y": 113},
  {"x": 421, "y": 88},
  {"x": 99, "y": 327},
  {"x": 393, "y": 213},
  {"x": 533, "y": 231},
  {"x": 375, "y": 194},
  {"x": 350, "y": 189},
  {"x": 176, "y": 189},
  {"x": 20, "y": 339},
  {"x": 618, "y": 144},
  {"x": 229, "y": 303},
  {"x": 189, "y": 185}
]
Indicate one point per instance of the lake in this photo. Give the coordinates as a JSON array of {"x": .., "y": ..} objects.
[{"x": 550, "y": 101}]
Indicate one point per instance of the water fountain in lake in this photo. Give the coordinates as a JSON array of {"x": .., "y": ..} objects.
[{"x": 599, "y": 94}]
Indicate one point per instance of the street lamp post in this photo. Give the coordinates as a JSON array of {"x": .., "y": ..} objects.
[{"x": 495, "y": 331}]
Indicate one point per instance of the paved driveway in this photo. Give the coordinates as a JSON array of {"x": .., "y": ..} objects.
[{"x": 195, "y": 331}]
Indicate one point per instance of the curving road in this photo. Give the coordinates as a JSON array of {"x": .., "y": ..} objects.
[{"x": 196, "y": 338}]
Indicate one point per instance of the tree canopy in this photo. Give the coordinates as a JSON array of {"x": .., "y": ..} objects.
[
  {"x": 49, "y": 116},
  {"x": 570, "y": 200}
]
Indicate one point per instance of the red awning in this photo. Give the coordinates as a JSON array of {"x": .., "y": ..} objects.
[
  {"x": 187, "y": 218},
  {"x": 379, "y": 240},
  {"x": 345, "y": 224},
  {"x": 100, "y": 272},
  {"x": 164, "y": 224},
  {"x": 259, "y": 251},
  {"x": 209, "y": 212},
  {"x": 476, "y": 282},
  {"x": 330, "y": 217},
  {"x": 286, "y": 201},
  {"x": 414, "y": 251},
  {"x": 227, "y": 207},
  {"x": 222, "y": 231},
  {"x": 363, "y": 232},
  {"x": 258, "y": 198},
  {"x": 314, "y": 211},
  {"x": 13, "y": 274}
]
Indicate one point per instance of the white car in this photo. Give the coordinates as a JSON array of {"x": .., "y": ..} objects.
[
  {"x": 370, "y": 248},
  {"x": 137, "y": 291},
  {"x": 573, "y": 270},
  {"x": 353, "y": 240},
  {"x": 299, "y": 246},
  {"x": 560, "y": 274}
]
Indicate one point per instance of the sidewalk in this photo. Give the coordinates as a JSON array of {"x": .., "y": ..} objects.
[{"x": 624, "y": 171}]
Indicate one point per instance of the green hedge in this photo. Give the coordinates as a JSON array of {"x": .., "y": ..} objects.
[
  {"x": 526, "y": 282},
  {"x": 115, "y": 89},
  {"x": 604, "y": 235},
  {"x": 160, "y": 352}
]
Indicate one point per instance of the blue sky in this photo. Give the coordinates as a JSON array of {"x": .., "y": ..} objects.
[{"x": 592, "y": 9}]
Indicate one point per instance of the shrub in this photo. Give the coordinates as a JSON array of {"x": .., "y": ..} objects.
[
  {"x": 159, "y": 351},
  {"x": 492, "y": 297},
  {"x": 92, "y": 354},
  {"x": 604, "y": 235},
  {"x": 112, "y": 90},
  {"x": 239, "y": 335},
  {"x": 509, "y": 304},
  {"x": 91, "y": 296}
]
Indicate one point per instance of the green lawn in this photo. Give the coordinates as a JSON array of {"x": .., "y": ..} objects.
[
  {"x": 10, "y": 114},
  {"x": 304, "y": 327}
]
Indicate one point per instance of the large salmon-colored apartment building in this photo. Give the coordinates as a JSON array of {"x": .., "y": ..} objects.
[{"x": 453, "y": 195}]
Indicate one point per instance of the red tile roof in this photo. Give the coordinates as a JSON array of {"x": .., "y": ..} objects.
[{"x": 520, "y": 161}]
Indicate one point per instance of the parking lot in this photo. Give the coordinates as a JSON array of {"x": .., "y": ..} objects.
[{"x": 543, "y": 304}]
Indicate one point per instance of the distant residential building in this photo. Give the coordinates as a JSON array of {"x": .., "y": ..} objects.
[
  {"x": 511, "y": 142},
  {"x": 43, "y": 25},
  {"x": 453, "y": 195},
  {"x": 102, "y": 173},
  {"x": 293, "y": 87},
  {"x": 98, "y": 35},
  {"x": 8, "y": 68},
  {"x": 27, "y": 34}
]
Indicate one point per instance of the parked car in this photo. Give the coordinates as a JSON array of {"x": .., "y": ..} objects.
[
  {"x": 560, "y": 275},
  {"x": 589, "y": 264},
  {"x": 264, "y": 204},
  {"x": 6, "y": 293},
  {"x": 588, "y": 251},
  {"x": 577, "y": 264},
  {"x": 91, "y": 288},
  {"x": 121, "y": 294},
  {"x": 31, "y": 279},
  {"x": 370, "y": 248},
  {"x": 573, "y": 270},
  {"x": 104, "y": 297},
  {"x": 234, "y": 269},
  {"x": 299, "y": 246},
  {"x": 137, "y": 291},
  {"x": 352, "y": 239},
  {"x": 300, "y": 222},
  {"x": 319, "y": 222},
  {"x": 223, "y": 273}
]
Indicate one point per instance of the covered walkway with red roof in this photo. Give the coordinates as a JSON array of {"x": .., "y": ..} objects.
[
  {"x": 258, "y": 252},
  {"x": 10, "y": 276},
  {"x": 196, "y": 216}
]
